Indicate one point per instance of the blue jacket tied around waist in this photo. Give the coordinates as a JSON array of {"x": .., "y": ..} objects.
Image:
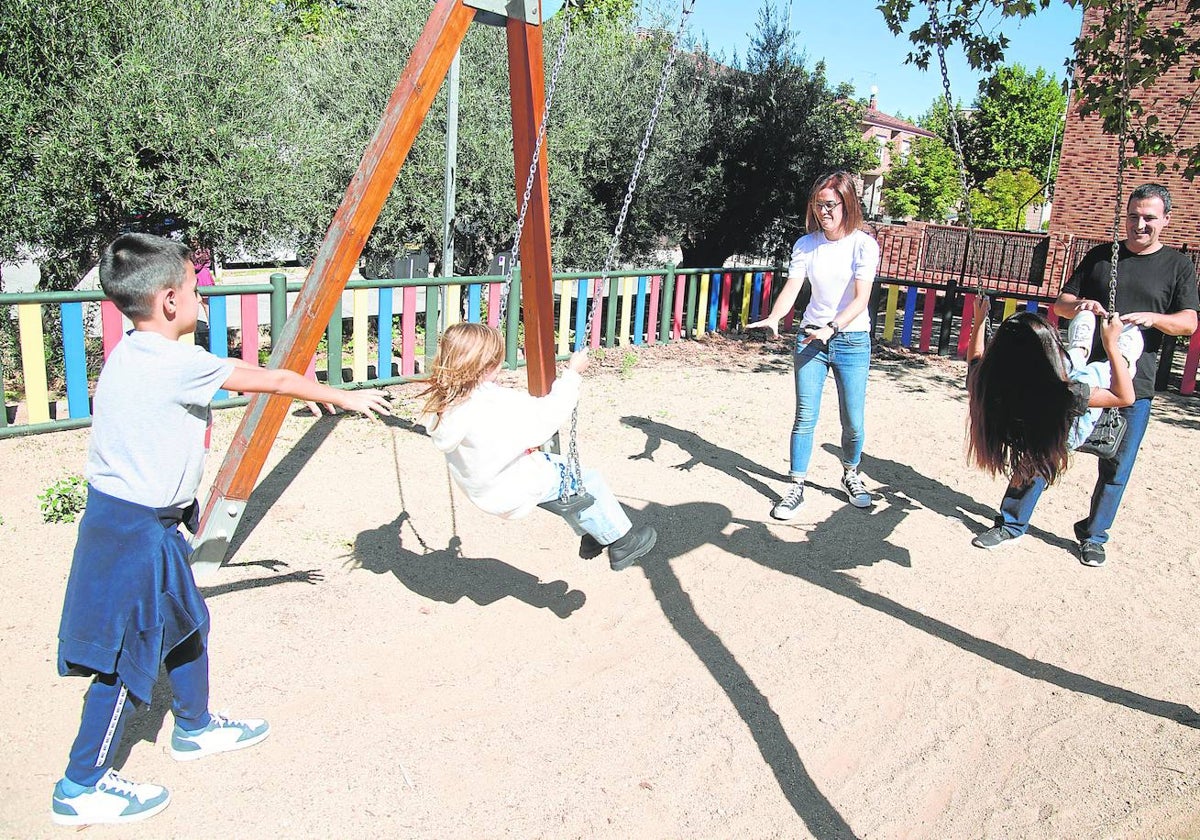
[{"x": 131, "y": 597}]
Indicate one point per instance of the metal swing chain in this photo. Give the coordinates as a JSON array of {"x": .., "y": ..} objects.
[
  {"x": 1121, "y": 138},
  {"x": 560, "y": 53},
  {"x": 936, "y": 26},
  {"x": 664, "y": 80}
]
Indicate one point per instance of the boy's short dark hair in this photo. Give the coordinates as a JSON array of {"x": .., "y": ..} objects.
[{"x": 137, "y": 266}]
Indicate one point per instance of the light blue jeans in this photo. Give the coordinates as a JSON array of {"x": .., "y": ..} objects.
[
  {"x": 605, "y": 519},
  {"x": 848, "y": 355}
]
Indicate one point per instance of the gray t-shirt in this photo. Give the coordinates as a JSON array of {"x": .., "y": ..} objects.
[{"x": 151, "y": 418}]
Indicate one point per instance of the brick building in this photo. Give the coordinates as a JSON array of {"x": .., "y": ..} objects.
[
  {"x": 1085, "y": 198},
  {"x": 890, "y": 136}
]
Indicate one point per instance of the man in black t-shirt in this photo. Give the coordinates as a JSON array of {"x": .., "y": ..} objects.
[{"x": 1156, "y": 289}]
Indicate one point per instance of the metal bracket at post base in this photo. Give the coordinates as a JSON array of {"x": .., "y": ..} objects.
[{"x": 211, "y": 544}]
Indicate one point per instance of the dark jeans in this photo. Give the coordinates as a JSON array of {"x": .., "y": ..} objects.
[
  {"x": 1113, "y": 475},
  {"x": 108, "y": 704}
]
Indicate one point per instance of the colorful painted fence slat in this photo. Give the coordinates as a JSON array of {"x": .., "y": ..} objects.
[
  {"x": 386, "y": 314},
  {"x": 33, "y": 361},
  {"x": 75, "y": 360}
]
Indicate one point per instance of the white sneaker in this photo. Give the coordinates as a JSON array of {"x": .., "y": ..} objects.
[
  {"x": 790, "y": 503},
  {"x": 1081, "y": 331},
  {"x": 111, "y": 800},
  {"x": 855, "y": 491},
  {"x": 1130, "y": 344},
  {"x": 221, "y": 735}
]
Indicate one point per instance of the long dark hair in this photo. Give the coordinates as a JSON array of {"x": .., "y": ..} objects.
[{"x": 1020, "y": 405}]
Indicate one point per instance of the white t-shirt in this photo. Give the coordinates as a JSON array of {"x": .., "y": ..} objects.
[
  {"x": 832, "y": 267},
  {"x": 150, "y": 420}
]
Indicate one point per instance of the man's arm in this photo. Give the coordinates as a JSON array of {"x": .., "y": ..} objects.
[
  {"x": 1172, "y": 323},
  {"x": 1069, "y": 305}
]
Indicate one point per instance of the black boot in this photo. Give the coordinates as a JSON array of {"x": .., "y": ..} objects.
[
  {"x": 589, "y": 547},
  {"x": 633, "y": 546}
]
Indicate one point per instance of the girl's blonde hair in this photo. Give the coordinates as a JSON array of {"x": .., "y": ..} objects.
[{"x": 466, "y": 354}]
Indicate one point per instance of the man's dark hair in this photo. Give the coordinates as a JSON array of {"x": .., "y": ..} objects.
[
  {"x": 137, "y": 266},
  {"x": 1152, "y": 191}
]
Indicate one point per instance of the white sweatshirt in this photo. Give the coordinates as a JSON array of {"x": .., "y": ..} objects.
[{"x": 486, "y": 439}]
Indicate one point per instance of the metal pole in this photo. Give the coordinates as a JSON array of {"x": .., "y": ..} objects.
[{"x": 452, "y": 89}]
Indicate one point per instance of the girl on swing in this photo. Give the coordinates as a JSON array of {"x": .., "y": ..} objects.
[
  {"x": 1034, "y": 400},
  {"x": 490, "y": 436}
]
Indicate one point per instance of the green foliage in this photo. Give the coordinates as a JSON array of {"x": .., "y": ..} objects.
[
  {"x": 64, "y": 499},
  {"x": 1001, "y": 203},
  {"x": 628, "y": 363},
  {"x": 1015, "y": 124},
  {"x": 926, "y": 186},
  {"x": 1115, "y": 89},
  {"x": 767, "y": 129}
]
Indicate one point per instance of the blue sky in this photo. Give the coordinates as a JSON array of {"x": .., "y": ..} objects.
[{"x": 857, "y": 47}]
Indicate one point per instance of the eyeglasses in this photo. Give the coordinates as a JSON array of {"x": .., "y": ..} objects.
[{"x": 830, "y": 206}]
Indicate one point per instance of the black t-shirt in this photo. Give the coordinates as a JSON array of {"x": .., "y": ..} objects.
[{"x": 1162, "y": 282}]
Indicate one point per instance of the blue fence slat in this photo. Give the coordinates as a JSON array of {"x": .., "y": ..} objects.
[
  {"x": 75, "y": 360},
  {"x": 581, "y": 306},
  {"x": 218, "y": 334},
  {"x": 910, "y": 312},
  {"x": 474, "y": 295},
  {"x": 1031, "y": 306},
  {"x": 385, "y": 331},
  {"x": 714, "y": 301},
  {"x": 639, "y": 312},
  {"x": 755, "y": 294}
]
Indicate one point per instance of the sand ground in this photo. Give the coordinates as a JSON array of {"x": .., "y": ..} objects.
[{"x": 430, "y": 672}]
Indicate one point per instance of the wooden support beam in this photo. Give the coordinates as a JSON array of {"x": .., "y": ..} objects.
[
  {"x": 335, "y": 260},
  {"x": 526, "y": 75}
]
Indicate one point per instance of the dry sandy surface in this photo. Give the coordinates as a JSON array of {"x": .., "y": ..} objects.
[{"x": 432, "y": 673}]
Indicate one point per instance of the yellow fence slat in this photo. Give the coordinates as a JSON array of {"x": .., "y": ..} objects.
[
  {"x": 889, "y": 318},
  {"x": 564, "y": 314},
  {"x": 360, "y": 309},
  {"x": 625, "y": 330},
  {"x": 453, "y": 304},
  {"x": 702, "y": 306},
  {"x": 33, "y": 362},
  {"x": 1010, "y": 307}
]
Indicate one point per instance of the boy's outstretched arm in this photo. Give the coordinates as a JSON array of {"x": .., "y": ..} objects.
[{"x": 286, "y": 383}]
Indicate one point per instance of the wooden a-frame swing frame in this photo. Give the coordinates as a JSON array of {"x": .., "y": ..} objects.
[{"x": 342, "y": 246}]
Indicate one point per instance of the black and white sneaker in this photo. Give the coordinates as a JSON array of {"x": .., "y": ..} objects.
[
  {"x": 994, "y": 538},
  {"x": 855, "y": 491},
  {"x": 790, "y": 503}
]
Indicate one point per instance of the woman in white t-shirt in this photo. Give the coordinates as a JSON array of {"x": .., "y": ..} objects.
[{"x": 839, "y": 261}]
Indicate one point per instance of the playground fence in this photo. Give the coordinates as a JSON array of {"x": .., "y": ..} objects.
[{"x": 379, "y": 334}]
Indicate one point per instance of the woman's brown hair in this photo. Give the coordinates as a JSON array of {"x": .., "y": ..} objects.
[{"x": 846, "y": 186}]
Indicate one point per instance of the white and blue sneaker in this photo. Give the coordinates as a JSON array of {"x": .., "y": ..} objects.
[
  {"x": 111, "y": 800},
  {"x": 221, "y": 735}
]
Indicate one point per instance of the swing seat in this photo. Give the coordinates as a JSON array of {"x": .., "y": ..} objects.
[{"x": 569, "y": 506}]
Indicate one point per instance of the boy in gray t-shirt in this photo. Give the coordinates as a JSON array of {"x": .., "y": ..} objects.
[{"x": 131, "y": 603}]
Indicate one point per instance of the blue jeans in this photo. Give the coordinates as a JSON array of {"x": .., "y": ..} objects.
[
  {"x": 1113, "y": 475},
  {"x": 849, "y": 356},
  {"x": 605, "y": 520}
]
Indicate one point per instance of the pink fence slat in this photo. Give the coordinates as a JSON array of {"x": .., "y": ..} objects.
[
  {"x": 652, "y": 321},
  {"x": 927, "y": 319},
  {"x": 723, "y": 312},
  {"x": 597, "y": 304},
  {"x": 1051, "y": 315},
  {"x": 111, "y": 325},
  {"x": 408, "y": 325},
  {"x": 1187, "y": 384},
  {"x": 493, "y": 305},
  {"x": 677, "y": 309},
  {"x": 764, "y": 305},
  {"x": 964, "y": 329},
  {"x": 249, "y": 307}
]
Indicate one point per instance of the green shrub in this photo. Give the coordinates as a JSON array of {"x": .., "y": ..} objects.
[{"x": 62, "y": 500}]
